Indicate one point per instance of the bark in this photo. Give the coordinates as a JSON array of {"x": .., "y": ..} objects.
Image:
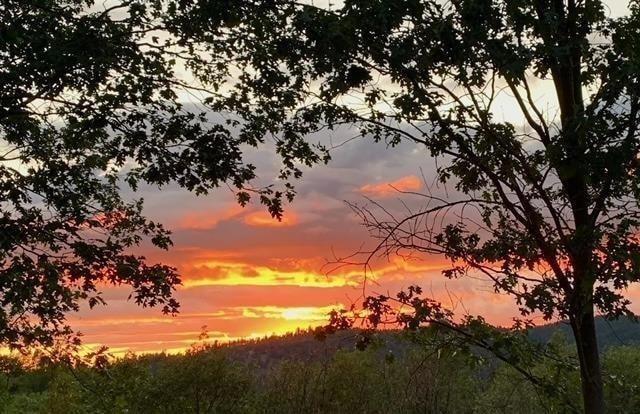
[
  {"x": 584, "y": 331},
  {"x": 566, "y": 70}
]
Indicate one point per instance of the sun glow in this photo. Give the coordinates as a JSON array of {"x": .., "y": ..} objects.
[
  {"x": 306, "y": 313},
  {"x": 238, "y": 274}
]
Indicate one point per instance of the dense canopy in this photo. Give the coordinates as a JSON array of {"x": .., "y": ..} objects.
[
  {"x": 91, "y": 105},
  {"x": 547, "y": 200}
]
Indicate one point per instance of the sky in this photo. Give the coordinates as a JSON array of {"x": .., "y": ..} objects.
[{"x": 246, "y": 275}]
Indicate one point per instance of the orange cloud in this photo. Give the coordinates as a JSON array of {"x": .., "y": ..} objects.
[
  {"x": 203, "y": 220},
  {"x": 263, "y": 219},
  {"x": 386, "y": 189}
]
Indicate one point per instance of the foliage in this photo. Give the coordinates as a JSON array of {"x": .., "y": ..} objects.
[
  {"x": 622, "y": 394},
  {"x": 89, "y": 103},
  {"x": 90, "y": 108},
  {"x": 442, "y": 66},
  {"x": 549, "y": 210},
  {"x": 416, "y": 377}
]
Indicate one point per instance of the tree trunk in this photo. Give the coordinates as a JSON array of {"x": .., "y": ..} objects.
[{"x": 584, "y": 331}]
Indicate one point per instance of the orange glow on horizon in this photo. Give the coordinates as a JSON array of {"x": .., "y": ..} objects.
[
  {"x": 177, "y": 334},
  {"x": 238, "y": 299},
  {"x": 305, "y": 313}
]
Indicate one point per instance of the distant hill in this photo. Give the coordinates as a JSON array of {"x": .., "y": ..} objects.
[
  {"x": 303, "y": 346},
  {"x": 610, "y": 333}
]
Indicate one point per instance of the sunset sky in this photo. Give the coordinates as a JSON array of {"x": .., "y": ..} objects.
[{"x": 247, "y": 275}]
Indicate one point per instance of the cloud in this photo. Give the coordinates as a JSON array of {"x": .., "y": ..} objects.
[
  {"x": 262, "y": 218},
  {"x": 220, "y": 273},
  {"x": 205, "y": 220},
  {"x": 305, "y": 313},
  {"x": 391, "y": 188}
]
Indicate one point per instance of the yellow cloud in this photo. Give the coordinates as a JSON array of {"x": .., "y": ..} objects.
[
  {"x": 304, "y": 313},
  {"x": 238, "y": 274}
]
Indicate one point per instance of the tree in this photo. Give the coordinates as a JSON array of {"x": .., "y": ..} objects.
[
  {"x": 90, "y": 106},
  {"x": 557, "y": 198}
]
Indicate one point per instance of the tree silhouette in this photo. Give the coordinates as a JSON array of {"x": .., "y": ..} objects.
[
  {"x": 89, "y": 105},
  {"x": 556, "y": 198}
]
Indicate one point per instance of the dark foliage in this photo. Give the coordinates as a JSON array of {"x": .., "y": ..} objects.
[
  {"x": 397, "y": 374},
  {"x": 548, "y": 209},
  {"x": 90, "y": 108}
]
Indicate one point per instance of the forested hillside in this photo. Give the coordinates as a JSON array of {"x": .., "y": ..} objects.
[
  {"x": 296, "y": 373},
  {"x": 610, "y": 333}
]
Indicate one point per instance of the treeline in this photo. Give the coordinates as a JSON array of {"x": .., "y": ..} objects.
[{"x": 414, "y": 379}]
